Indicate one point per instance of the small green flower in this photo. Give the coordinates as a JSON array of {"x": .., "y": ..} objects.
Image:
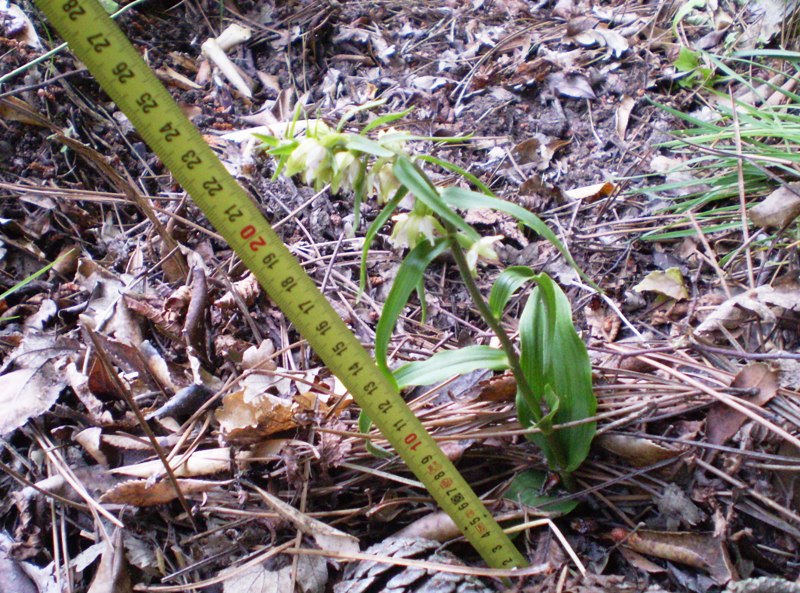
[
  {"x": 346, "y": 167},
  {"x": 410, "y": 229},
  {"x": 482, "y": 249},
  {"x": 382, "y": 182},
  {"x": 312, "y": 160}
]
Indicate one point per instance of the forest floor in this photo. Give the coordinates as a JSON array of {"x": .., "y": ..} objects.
[{"x": 691, "y": 482}]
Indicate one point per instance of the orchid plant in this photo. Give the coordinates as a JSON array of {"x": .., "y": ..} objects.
[{"x": 551, "y": 365}]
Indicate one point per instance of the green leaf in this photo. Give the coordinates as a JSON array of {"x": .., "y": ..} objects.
[
  {"x": 687, "y": 60},
  {"x": 418, "y": 184},
  {"x": 506, "y": 285},
  {"x": 268, "y": 140},
  {"x": 365, "y": 145},
  {"x": 383, "y": 217},
  {"x": 364, "y": 426},
  {"x": 526, "y": 488},
  {"x": 348, "y": 115},
  {"x": 448, "y": 363},
  {"x": 32, "y": 277},
  {"x": 413, "y": 266},
  {"x": 464, "y": 198},
  {"x": 385, "y": 119},
  {"x": 456, "y": 169},
  {"x": 557, "y": 367}
]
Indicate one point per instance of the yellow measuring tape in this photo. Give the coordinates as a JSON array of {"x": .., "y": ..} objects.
[{"x": 122, "y": 73}]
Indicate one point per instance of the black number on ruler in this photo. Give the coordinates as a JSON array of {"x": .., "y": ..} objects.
[
  {"x": 306, "y": 307},
  {"x": 370, "y": 388},
  {"x": 269, "y": 260},
  {"x": 73, "y": 9},
  {"x": 169, "y": 132},
  {"x": 288, "y": 283},
  {"x": 98, "y": 41},
  {"x": 212, "y": 186},
  {"x": 122, "y": 72},
  {"x": 190, "y": 159},
  {"x": 233, "y": 212},
  {"x": 146, "y": 102}
]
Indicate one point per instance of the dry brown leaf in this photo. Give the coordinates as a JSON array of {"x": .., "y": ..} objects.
[
  {"x": 142, "y": 493},
  {"x": 637, "y": 451},
  {"x": 778, "y": 209},
  {"x": 27, "y": 393},
  {"x": 668, "y": 283},
  {"x": 248, "y": 290},
  {"x": 764, "y": 302},
  {"x": 591, "y": 193},
  {"x": 723, "y": 421},
  {"x": 312, "y": 577},
  {"x": 112, "y": 575},
  {"x": 247, "y": 420},
  {"x": 699, "y": 550},
  {"x": 623, "y": 115},
  {"x": 327, "y": 537}
]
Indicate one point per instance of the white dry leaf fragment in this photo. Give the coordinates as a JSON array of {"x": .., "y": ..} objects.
[
  {"x": 430, "y": 83},
  {"x": 778, "y": 209},
  {"x": 765, "y": 303},
  {"x": 327, "y": 537},
  {"x": 80, "y": 562},
  {"x": 258, "y": 383},
  {"x": 260, "y": 356},
  {"x": 15, "y": 24},
  {"x": 788, "y": 372},
  {"x": 572, "y": 85},
  {"x": 139, "y": 553},
  {"x": 47, "y": 310},
  {"x": 215, "y": 50},
  {"x": 28, "y": 393},
  {"x": 312, "y": 577},
  {"x": 678, "y": 508},
  {"x": 623, "y": 114},
  {"x": 199, "y": 463},
  {"x": 669, "y": 283},
  {"x": 247, "y": 289}
]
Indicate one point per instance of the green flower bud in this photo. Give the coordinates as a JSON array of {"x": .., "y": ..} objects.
[
  {"x": 346, "y": 167},
  {"x": 482, "y": 249},
  {"x": 410, "y": 229},
  {"x": 312, "y": 160},
  {"x": 382, "y": 182}
]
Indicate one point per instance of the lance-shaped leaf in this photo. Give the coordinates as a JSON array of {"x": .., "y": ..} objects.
[
  {"x": 557, "y": 367},
  {"x": 407, "y": 279},
  {"x": 464, "y": 198},
  {"x": 448, "y": 363},
  {"x": 415, "y": 181}
]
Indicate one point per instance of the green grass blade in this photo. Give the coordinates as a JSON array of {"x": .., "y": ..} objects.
[
  {"x": 448, "y": 363},
  {"x": 32, "y": 277}
]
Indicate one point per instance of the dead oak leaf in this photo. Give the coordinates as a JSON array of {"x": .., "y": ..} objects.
[
  {"x": 723, "y": 421},
  {"x": 668, "y": 283}
]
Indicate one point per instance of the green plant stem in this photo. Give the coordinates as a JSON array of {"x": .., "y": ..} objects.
[{"x": 508, "y": 347}]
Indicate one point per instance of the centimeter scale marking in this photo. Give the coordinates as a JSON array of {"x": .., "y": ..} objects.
[{"x": 122, "y": 73}]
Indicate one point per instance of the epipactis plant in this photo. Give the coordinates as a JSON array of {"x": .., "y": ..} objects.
[{"x": 551, "y": 366}]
